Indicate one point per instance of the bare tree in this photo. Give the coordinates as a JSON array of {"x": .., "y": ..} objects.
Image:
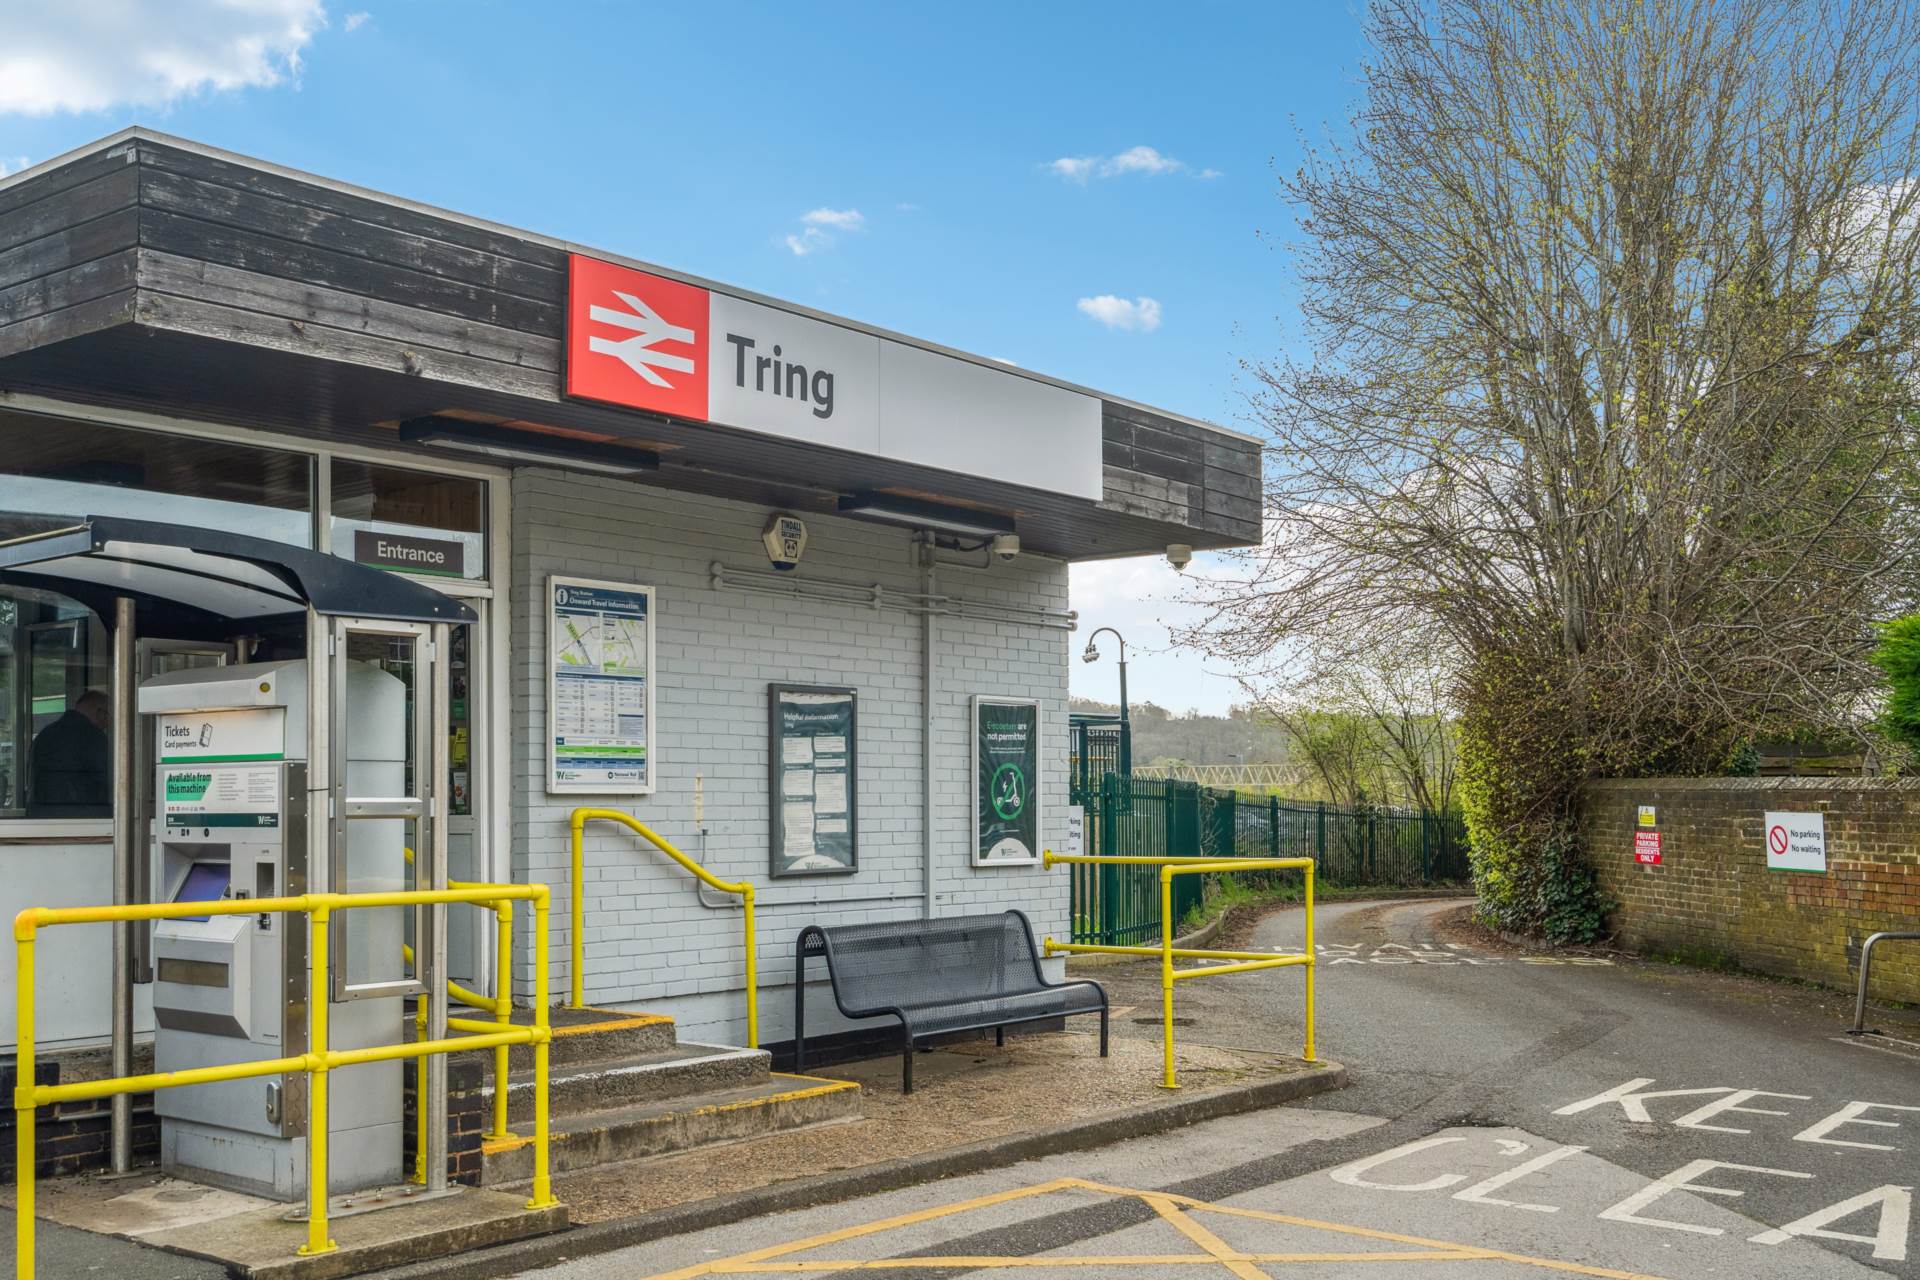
[
  {"x": 1376, "y": 722},
  {"x": 1615, "y": 313}
]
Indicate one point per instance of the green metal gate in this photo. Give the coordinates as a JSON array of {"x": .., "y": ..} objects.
[{"x": 1120, "y": 906}]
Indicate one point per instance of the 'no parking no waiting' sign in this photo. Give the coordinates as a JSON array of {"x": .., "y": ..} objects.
[{"x": 1795, "y": 841}]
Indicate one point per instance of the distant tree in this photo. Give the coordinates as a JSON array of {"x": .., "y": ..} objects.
[{"x": 1615, "y": 319}]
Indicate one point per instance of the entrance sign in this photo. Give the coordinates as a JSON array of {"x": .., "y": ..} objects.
[
  {"x": 410, "y": 553},
  {"x": 813, "y": 795},
  {"x": 599, "y": 687},
  {"x": 1646, "y": 848},
  {"x": 1795, "y": 841},
  {"x": 645, "y": 341},
  {"x": 1006, "y": 781}
]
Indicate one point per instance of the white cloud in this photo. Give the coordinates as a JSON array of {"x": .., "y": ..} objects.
[
  {"x": 89, "y": 55},
  {"x": 357, "y": 20},
  {"x": 1075, "y": 168},
  {"x": 1141, "y": 315},
  {"x": 1144, "y": 160},
  {"x": 13, "y": 165},
  {"x": 818, "y": 227},
  {"x": 838, "y": 219},
  {"x": 1134, "y": 160}
]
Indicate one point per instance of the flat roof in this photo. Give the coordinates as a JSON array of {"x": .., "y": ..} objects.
[{"x": 141, "y": 133}]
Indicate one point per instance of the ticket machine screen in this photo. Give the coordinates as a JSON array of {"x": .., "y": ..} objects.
[{"x": 205, "y": 882}]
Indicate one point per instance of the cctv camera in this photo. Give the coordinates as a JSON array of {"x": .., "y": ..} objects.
[
  {"x": 1179, "y": 555},
  {"x": 1006, "y": 545}
]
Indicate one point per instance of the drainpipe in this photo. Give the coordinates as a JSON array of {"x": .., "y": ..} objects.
[
  {"x": 928, "y": 623},
  {"x": 125, "y": 845}
]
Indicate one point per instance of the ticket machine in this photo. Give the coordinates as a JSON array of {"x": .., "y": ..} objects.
[{"x": 230, "y": 803}]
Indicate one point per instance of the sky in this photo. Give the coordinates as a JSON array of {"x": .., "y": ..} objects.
[{"x": 1086, "y": 190}]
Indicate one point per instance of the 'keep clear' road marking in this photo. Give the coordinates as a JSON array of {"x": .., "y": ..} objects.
[
  {"x": 1884, "y": 1211},
  {"x": 1425, "y": 953}
]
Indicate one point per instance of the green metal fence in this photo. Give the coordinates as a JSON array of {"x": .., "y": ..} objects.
[{"x": 1154, "y": 816}]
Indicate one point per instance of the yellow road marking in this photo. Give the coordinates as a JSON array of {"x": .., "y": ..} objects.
[
  {"x": 1213, "y": 1244},
  {"x": 1177, "y": 1210}
]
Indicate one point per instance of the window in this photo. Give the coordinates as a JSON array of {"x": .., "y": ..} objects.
[
  {"x": 409, "y": 521},
  {"x": 60, "y": 467},
  {"x": 55, "y": 756}
]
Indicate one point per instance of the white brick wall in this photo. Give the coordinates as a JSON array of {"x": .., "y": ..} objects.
[{"x": 649, "y": 942}]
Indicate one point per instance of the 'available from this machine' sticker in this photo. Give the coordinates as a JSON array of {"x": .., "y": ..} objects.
[{"x": 221, "y": 795}]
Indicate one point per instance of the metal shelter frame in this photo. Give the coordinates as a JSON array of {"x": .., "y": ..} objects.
[{"x": 192, "y": 582}]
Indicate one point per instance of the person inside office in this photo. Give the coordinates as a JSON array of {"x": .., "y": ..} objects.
[{"x": 70, "y": 770}]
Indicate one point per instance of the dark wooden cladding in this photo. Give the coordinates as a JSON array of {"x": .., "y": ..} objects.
[
  {"x": 177, "y": 242},
  {"x": 157, "y": 157},
  {"x": 1166, "y": 469}
]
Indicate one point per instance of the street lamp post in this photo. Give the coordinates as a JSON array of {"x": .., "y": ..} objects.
[{"x": 1092, "y": 654}]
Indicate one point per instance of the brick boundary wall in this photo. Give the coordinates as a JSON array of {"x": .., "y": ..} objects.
[{"x": 1712, "y": 896}]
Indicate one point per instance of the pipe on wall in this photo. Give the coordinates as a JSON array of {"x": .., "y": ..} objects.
[{"x": 929, "y": 620}]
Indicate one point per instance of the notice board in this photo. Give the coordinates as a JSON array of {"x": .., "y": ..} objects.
[
  {"x": 599, "y": 687},
  {"x": 1006, "y": 781},
  {"x": 813, "y": 793}
]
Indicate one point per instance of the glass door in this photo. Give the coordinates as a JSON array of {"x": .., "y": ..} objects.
[{"x": 469, "y": 930}]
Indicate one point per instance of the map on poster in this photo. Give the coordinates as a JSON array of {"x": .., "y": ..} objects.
[{"x": 600, "y": 692}]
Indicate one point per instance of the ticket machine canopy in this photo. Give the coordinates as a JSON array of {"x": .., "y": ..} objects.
[{"x": 190, "y": 581}]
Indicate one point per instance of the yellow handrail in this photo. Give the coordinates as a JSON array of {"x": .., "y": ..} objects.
[
  {"x": 317, "y": 1062},
  {"x": 1238, "y": 961},
  {"x": 501, "y": 1006},
  {"x": 744, "y": 889}
]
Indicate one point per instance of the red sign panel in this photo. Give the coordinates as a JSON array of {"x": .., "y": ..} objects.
[
  {"x": 1646, "y": 848},
  {"x": 636, "y": 339}
]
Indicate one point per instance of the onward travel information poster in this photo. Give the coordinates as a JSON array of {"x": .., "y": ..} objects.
[{"x": 599, "y": 686}]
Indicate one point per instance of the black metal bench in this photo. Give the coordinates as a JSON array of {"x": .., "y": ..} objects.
[{"x": 953, "y": 973}]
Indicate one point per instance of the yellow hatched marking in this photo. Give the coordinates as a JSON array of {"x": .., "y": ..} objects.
[
  {"x": 1232, "y": 1259},
  {"x": 1177, "y": 1210}
]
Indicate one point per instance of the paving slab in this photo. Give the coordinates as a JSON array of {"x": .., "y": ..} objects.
[{"x": 153, "y": 1227}]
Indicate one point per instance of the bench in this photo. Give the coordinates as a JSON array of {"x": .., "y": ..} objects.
[{"x": 951, "y": 973}]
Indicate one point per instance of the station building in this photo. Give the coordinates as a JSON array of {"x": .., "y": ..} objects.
[{"x": 685, "y": 519}]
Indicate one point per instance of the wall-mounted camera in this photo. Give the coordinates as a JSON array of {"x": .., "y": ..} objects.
[
  {"x": 1006, "y": 545},
  {"x": 1179, "y": 555}
]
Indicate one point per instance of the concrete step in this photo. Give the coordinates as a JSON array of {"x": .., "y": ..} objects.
[
  {"x": 635, "y": 1078},
  {"x": 585, "y": 1036},
  {"x": 588, "y": 1139}
]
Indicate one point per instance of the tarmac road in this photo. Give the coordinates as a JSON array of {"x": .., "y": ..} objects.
[{"x": 1510, "y": 1114}]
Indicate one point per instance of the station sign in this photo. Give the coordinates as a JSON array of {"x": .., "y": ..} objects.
[{"x": 644, "y": 341}]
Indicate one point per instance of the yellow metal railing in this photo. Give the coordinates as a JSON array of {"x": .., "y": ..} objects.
[
  {"x": 501, "y": 1007},
  {"x": 317, "y": 1062},
  {"x": 1237, "y": 961},
  {"x": 577, "y": 936}
]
